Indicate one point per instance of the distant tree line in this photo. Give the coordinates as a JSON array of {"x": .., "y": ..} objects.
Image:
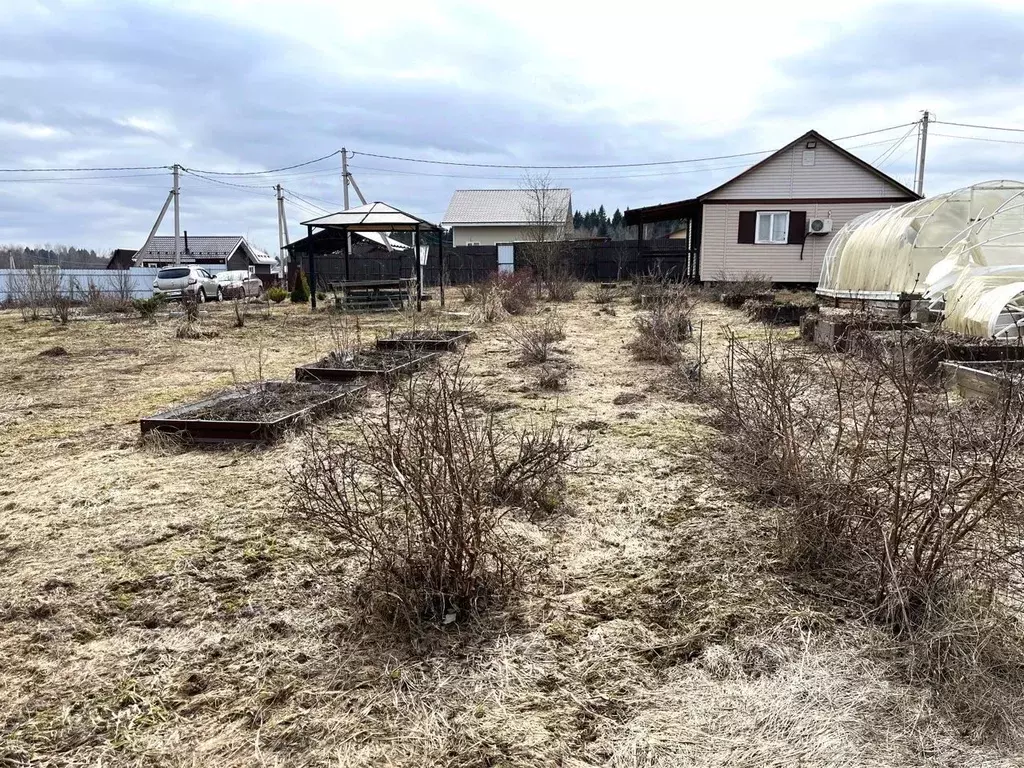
[
  {"x": 68, "y": 256},
  {"x": 597, "y": 223}
]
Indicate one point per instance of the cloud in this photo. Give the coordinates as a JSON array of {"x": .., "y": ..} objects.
[{"x": 236, "y": 86}]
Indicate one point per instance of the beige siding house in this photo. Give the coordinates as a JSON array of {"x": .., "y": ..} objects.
[
  {"x": 493, "y": 216},
  {"x": 766, "y": 220}
]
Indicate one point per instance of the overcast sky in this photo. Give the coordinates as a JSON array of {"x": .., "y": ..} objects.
[{"x": 247, "y": 86}]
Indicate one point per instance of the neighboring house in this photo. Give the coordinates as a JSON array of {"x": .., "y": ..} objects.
[
  {"x": 493, "y": 216},
  {"x": 230, "y": 252},
  {"x": 778, "y": 216},
  {"x": 122, "y": 258}
]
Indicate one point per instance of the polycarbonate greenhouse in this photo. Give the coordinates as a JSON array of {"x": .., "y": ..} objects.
[{"x": 964, "y": 249}]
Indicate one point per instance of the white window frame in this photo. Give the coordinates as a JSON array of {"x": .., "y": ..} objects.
[{"x": 772, "y": 234}]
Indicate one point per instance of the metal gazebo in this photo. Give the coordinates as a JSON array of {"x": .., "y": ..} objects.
[{"x": 376, "y": 217}]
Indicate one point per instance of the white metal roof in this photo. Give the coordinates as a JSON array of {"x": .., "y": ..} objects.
[
  {"x": 372, "y": 217},
  {"x": 507, "y": 206},
  {"x": 380, "y": 239}
]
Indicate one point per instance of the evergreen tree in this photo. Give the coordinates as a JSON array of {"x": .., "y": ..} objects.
[
  {"x": 577, "y": 220},
  {"x": 617, "y": 219}
]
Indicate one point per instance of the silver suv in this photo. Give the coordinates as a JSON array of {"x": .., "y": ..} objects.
[{"x": 186, "y": 280}]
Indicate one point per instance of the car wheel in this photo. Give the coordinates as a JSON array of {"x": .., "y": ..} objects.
[
  {"x": 200, "y": 296},
  {"x": 220, "y": 294}
]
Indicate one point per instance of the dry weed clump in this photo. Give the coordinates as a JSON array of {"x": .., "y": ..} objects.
[
  {"x": 534, "y": 337},
  {"x": 661, "y": 331},
  {"x": 561, "y": 284},
  {"x": 420, "y": 498},
  {"x": 908, "y": 501}
]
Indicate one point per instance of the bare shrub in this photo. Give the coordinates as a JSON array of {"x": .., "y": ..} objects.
[
  {"x": 561, "y": 284},
  {"x": 420, "y": 498},
  {"x": 533, "y": 337},
  {"x": 190, "y": 327},
  {"x": 907, "y": 500},
  {"x": 553, "y": 376},
  {"x": 470, "y": 293},
  {"x": 661, "y": 331},
  {"x": 241, "y": 310},
  {"x": 34, "y": 290},
  {"x": 748, "y": 284},
  {"x": 60, "y": 308},
  {"x": 148, "y": 308},
  {"x": 516, "y": 290},
  {"x": 656, "y": 288}
]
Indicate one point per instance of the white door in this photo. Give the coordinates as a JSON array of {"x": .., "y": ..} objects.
[{"x": 506, "y": 257}]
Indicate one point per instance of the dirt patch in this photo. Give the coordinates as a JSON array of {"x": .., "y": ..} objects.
[
  {"x": 267, "y": 402},
  {"x": 53, "y": 352},
  {"x": 367, "y": 360},
  {"x": 628, "y": 398}
]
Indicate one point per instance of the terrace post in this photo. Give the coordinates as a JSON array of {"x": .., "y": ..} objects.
[
  {"x": 312, "y": 267},
  {"x": 419, "y": 270},
  {"x": 440, "y": 264}
]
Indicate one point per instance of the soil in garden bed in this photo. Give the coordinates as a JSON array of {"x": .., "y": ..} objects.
[
  {"x": 426, "y": 335},
  {"x": 265, "y": 402},
  {"x": 368, "y": 359}
]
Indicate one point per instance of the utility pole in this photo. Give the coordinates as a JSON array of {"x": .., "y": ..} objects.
[
  {"x": 281, "y": 241},
  {"x": 925, "y": 118},
  {"x": 344, "y": 197},
  {"x": 177, "y": 217},
  {"x": 344, "y": 176}
]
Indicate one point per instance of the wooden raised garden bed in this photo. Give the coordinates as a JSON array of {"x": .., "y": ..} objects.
[
  {"x": 435, "y": 341},
  {"x": 338, "y": 366},
  {"x": 776, "y": 313},
  {"x": 836, "y": 332},
  {"x": 255, "y": 413},
  {"x": 983, "y": 379}
]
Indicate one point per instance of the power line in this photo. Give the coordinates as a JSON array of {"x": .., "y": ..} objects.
[
  {"x": 309, "y": 198},
  {"x": 977, "y": 138},
  {"x": 87, "y": 170},
  {"x": 605, "y": 165},
  {"x": 307, "y": 202},
  {"x": 261, "y": 173},
  {"x": 79, "y": 178},
  {"x": 891, "y": 150},
  {"x": 227, "y": 183},
  {"x": 981, "y": 127}
]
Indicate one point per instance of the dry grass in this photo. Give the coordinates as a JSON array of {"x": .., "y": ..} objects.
[{"x": 158, "y": 607}]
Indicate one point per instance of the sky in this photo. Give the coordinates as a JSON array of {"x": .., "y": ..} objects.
[{"x": 246, "y": 86}]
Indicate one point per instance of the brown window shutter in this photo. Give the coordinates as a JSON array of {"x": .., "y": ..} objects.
[
  {"x": 748, "y": 224},
  {"x": 797, "y": 227}
]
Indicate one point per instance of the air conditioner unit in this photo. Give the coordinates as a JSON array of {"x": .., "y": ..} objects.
[{"x": 819, "y": 226}]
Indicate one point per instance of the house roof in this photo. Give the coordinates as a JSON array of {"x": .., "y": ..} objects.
[
  {"x": 505, "y": 206},
  {"x": 372, "y": 217},
  {"x": 205, "y": 246},
  {"x": 670, "y": 210}
]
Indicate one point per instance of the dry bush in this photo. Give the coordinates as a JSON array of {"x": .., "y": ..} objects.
[
  {"x": 908, "y": 501},
  {"x": 517, "y": 292},
  {"x": 60, "y": 308},
  {"x": 33, "y": 291},
  {"x": 561, "y": 284},
  {"x": 241, "y": 310},
  {"x": 470, "y": 293},
  {"x": 749, "y": 284},
  {"x": 148, "y": 308},
  {"x": 532, "y": 337},
  {"x": 552, "y": 376},
  {"x": 661, "y": 331},
  {"x": 190, "y": 327},
  {"x": 420, "y": 497}
]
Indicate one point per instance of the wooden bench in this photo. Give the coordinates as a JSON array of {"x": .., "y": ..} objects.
[{"x": 371, "y": 294}]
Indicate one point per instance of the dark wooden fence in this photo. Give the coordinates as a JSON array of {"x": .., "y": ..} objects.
[{"x": 596, "y": 261}]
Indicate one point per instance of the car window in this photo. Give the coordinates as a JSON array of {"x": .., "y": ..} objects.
[
  {"x": 172, "y": 273},
  {"x": 204, "y": 273}
]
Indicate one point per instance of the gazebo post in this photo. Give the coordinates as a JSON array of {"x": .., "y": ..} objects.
[
  {"x": 440, "y": 265},
  {"x": 312, "y": 268},
  {"x": 344, "y": 249},
  {"x": 419, "y": 271}
]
